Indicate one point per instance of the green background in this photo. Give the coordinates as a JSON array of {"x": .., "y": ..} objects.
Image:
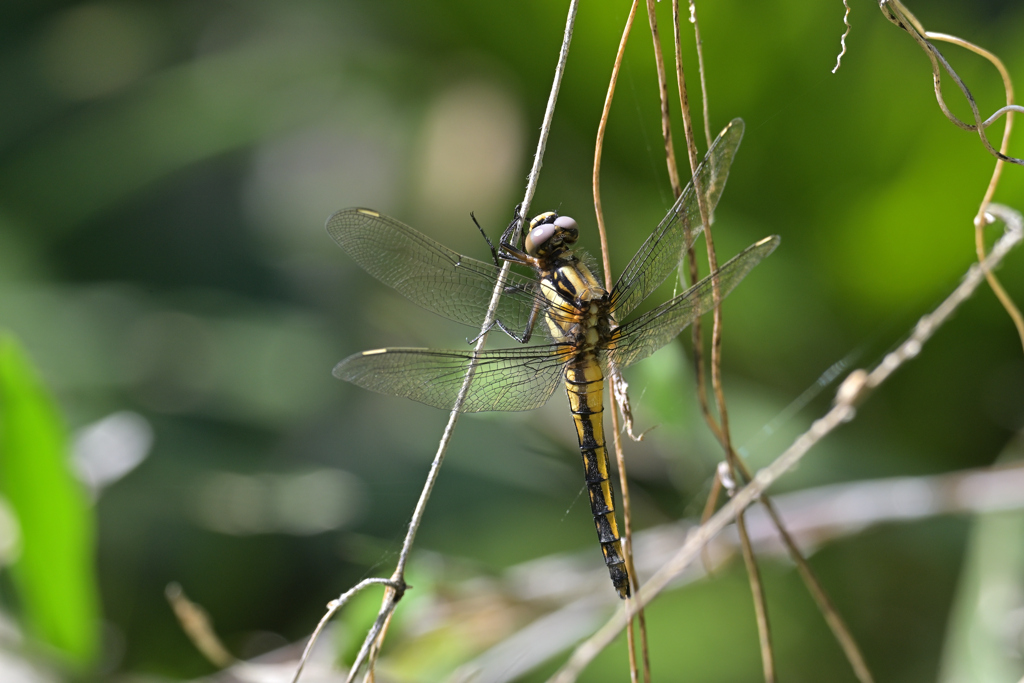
[{"x": 165, "y": 172}]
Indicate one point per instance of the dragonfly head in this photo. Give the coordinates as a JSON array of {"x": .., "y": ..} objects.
[{"x": 550, "y": 234}]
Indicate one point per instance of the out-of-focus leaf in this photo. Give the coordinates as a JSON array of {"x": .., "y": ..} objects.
[{"x": 54, "y": 573}]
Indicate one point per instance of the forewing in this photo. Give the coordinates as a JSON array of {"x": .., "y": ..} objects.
[
  {"x": 660, "y": 254},
  {"x": 504, "y": 379},
  {"x": 646, "y": 334},
  {"x": 429, "y": 274}
]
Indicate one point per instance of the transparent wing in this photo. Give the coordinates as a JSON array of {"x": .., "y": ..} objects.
[
  {"x": 505, "y": 379},
  {"x": 429, "y": 274},
  {"x": 646, "y": 334},
  {"x": 660, "y": 254}
]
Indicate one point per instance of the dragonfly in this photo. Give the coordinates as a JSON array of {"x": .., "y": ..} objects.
[{"x": 586, "y": 324}]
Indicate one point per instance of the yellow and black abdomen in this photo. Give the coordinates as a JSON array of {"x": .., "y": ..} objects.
[{"x": 584, "y": 384}]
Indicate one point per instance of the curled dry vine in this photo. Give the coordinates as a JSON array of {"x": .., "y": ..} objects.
[{"x": 899, "y": 15}]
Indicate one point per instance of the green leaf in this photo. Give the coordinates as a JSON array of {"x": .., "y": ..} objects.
[{"x": 54, "y": 573}]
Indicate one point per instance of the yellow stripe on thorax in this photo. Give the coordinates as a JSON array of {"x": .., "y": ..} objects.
[{"x": 566, "y": 287}]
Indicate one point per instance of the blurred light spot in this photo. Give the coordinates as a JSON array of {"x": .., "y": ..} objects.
[
  {"x": 108, "y": 449},
  {"x": 299, "y": 503},
  {"x": 299, "y": 180},
  {"x": 14, "y": 669},
  {"x": 169, "y": 361},
  {"x": 471, "y": 150},
  {"x": 10, "y": 634},
  {"x": 94, "y": 50},
  {"x": 10, "y": 534}
]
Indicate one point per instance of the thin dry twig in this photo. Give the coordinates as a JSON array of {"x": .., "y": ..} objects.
[
  {"x": 705, "y": 106},
  {"x": 855, "y": 389},
  {"x": 835, "y": 622},
  {"x": 764, "y": 632},
  {"x": 697, "y": 329},
  {"x": 666, "y": 120},
  {"x": 396, "y": 584},
  {"x": 614, "y": 379},
  {"x": 333, "y": 606}
]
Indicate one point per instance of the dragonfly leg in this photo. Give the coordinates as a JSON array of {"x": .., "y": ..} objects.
[
  {"x": 509, "y": 253},
  {"x": 487, "y": 329},
  {"x": 490, "y": 244},
  {"x": 530, "y": 322},
  {"x": 534, "y": 313},
  {"x": 527, "y": 331},
  {"x": 517, "y": 220},
  {"x": 521, "y": 340}
]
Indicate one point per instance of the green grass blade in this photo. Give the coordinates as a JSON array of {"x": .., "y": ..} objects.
[{"x": 54, "y": 574}]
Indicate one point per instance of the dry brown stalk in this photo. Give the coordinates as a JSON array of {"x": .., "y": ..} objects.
[
  {"x": 627, "y": 527},
  {"x": 666, "y": 120},
  {"x": 835, "y": 622},
  {"x": 756, "y": 588},
  {"x": 764, "y": 631},
  {"x": 702, "y": 73}
]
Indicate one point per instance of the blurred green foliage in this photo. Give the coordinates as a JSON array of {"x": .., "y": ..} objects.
[
  {"x": 53, "y": 563},
  {"x": 165, "y": 172}
]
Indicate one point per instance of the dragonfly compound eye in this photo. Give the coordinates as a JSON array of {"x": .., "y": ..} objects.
[
  {"x": 569, "y": 228},
  {"x": 537, "y": 237}
]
